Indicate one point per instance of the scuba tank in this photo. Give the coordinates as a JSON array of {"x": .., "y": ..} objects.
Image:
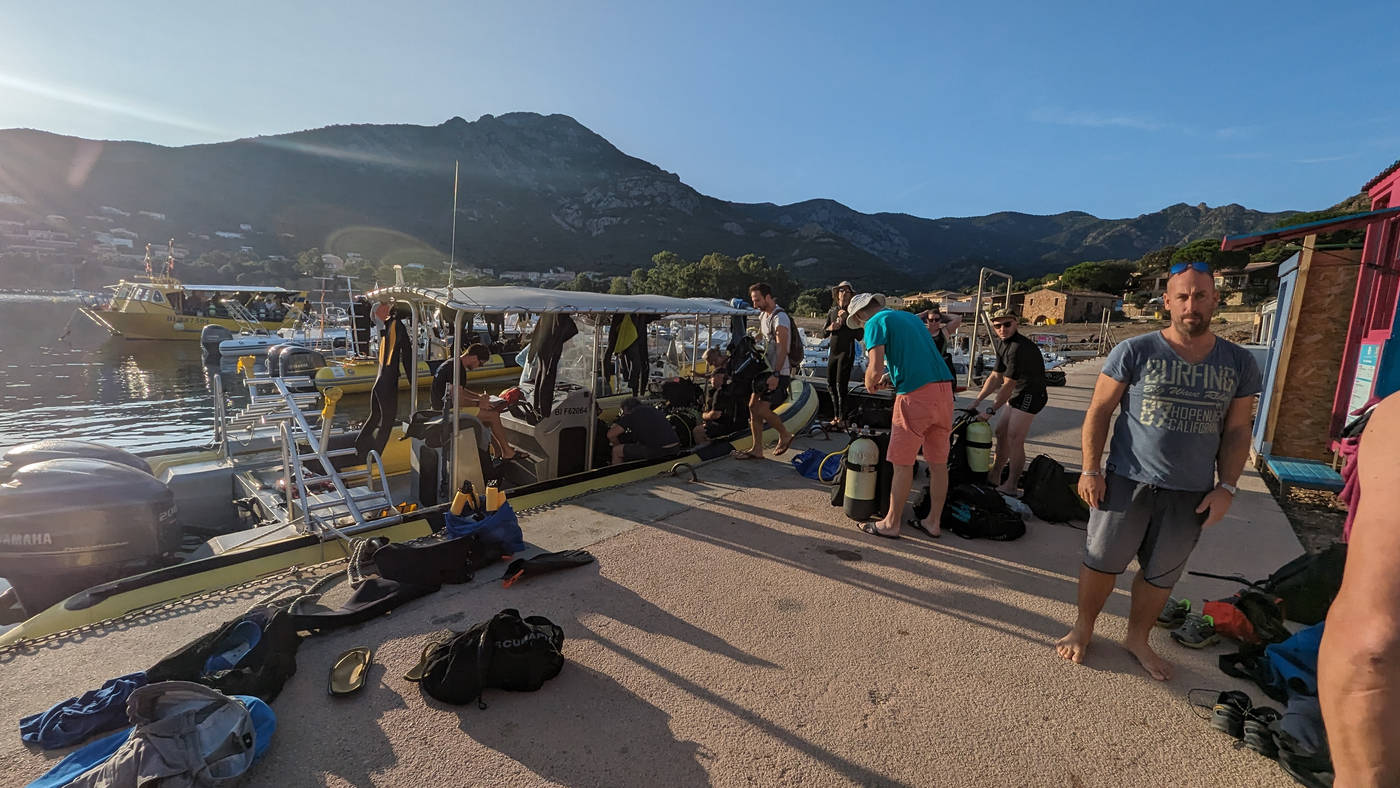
[
  {"x": 862, "y": 470},
  {"x": 979, "y": 446}
]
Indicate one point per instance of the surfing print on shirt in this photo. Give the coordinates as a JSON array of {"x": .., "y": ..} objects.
[{"x": 1172, "y": 414}]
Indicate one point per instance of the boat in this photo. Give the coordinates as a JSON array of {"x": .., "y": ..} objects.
[
  {"x": 89, "y": 533},
  {"x": 159, "y": 306}
]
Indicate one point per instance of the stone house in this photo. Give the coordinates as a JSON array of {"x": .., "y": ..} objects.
[{"x": 1050, "y": 306}]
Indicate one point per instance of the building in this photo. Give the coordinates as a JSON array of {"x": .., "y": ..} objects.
[{"x": 1050, "y": 306}]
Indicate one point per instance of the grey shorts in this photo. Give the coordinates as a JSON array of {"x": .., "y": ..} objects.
[{"x": 1157, "y": 525}]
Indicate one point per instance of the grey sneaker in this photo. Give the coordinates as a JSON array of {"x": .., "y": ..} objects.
[
  {"x": 1197, "y": 631},
  {"x": 1173, "y": 613}
]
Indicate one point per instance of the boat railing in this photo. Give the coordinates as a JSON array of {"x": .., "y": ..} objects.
[
  {"x": 245, "y": 319},
  {"x": 325, "y": 512}
]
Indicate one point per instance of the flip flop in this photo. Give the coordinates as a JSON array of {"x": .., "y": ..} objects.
[
  {"x": 742, "y": 455},
  {"x": 349, "y": 672},
  {"x": 917, "y": 525},
  {"x": 779, "y": 449},
  {"x": 873, "y": 531}
]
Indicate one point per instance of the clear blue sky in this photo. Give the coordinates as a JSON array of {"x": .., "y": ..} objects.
[{"x": 935, "y": 109}]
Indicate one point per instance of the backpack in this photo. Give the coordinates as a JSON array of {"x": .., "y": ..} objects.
[
  {"x": 1050, "y": 492},
  {"x": 505, "y": 652},
  {"x": 1306, "y": 585},
  {"x": 253, "y": 654},
  {"x": 977, "y": 511},
  {"x": 796, "y": 350}
]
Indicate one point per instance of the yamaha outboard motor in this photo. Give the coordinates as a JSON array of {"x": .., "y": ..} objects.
[
  {"x": 210, "y": 336},
  {"x": 297, "y": 361},
  {"x": 56, "y": 449},
  {"x": 70, "y": 523},
  {"x": 274, "y": 360}
]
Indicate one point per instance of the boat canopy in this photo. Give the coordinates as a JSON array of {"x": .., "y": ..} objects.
[
  {"x": 238, "y": 289},
  {"x": 543, "y": 302}
]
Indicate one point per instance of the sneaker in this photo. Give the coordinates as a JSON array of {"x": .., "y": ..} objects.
[
  {"x": 1258, "y": 731},
  {"x": 1173, "y": 613},
  {"x": 1228, "y": 713},
  {"x": 1197, "y": 631}
]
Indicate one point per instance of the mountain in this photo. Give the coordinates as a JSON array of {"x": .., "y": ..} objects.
[{"x": 535, "y": 192}]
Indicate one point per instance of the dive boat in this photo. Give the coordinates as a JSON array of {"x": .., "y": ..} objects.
[
  {"x": 89, "y": 533},
  {"x": 159, "y": 306}
]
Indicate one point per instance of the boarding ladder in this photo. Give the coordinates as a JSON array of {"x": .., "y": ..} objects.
[{"x": 357, "y": 498}]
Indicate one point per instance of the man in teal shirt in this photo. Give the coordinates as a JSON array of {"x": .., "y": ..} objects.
[{"x": 902, "y": 356}]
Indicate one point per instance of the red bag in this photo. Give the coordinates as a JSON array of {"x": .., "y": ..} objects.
[{"x": 1231, "y": 622}]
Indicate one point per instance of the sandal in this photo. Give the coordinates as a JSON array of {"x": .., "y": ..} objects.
[
  {"x": 917, "y": 525},
  {"x": 743, "y": 455},
  {"x": 873, "y": 531},
  {"x": 349, "y": 672}
]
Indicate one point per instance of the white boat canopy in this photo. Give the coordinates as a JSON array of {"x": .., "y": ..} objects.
[
  {"x": 234, "y": 289},
  {"x": 539, "y": 301}
]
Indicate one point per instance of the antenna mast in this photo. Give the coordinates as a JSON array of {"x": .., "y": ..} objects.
[{"x": 452, "y": 255}]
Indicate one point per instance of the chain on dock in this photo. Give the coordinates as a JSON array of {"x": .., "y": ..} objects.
[{"x": 295, "y": 573}]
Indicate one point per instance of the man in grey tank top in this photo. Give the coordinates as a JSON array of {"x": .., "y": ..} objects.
[{"x": 1186, "y": 406}]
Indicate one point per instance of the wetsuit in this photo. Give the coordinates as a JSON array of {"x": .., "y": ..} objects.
[
  {"x": 395, "y": 352},
  {"x": 842, "y": 354}
]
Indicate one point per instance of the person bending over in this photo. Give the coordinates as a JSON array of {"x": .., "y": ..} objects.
[
  {"x": 1183, "y": 395},
  {"x": 1358, "y": 666},
  {"x": 1019, "y": 382},
  {"x": 902, "y": 356},
  {"x": 490, "y": 415},
  {"x": 651, "y": 434}
]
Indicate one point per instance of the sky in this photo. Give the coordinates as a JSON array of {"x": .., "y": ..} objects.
[{"x": 928, "y": 108}]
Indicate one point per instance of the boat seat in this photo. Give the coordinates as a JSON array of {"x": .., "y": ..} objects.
[{"x": 1307, "y": 474}]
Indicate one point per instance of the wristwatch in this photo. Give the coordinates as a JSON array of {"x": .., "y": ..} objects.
[
  {"x": 992, "y": 411},
  {"x": 1229, "y": 488}
]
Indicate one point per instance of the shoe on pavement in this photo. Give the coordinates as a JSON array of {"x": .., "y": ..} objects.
[
  {"x": 1173, "y": 613},
  {"x": 1228, "y": 713},
  {"x": 1197, "y": 631}
]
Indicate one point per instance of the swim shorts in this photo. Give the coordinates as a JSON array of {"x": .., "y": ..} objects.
[
  {"x": 922, "y": 417},
  {"x": 1159, "y": 526},
  {"x": 1032, "y": 400}
]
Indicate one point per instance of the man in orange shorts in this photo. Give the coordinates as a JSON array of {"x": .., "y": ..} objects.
[{"x": 902, "y": 356}]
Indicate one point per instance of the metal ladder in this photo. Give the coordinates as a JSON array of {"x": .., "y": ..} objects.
[{"x": 360, "y": 497}]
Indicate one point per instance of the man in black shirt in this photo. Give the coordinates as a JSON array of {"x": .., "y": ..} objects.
[
  {"x": 1018, "y": 381},
  {"x": 488, "y": 414},
  {"x": 652, "y": 435},
  {"x": 842, "y": 349},
  {"x": 726, "y": 403}
]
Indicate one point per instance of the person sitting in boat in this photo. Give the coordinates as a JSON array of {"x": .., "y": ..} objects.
[
  {"x": 651, "y": 435},
  {"x": 489, "y": 409},
  {"x": 725, "y": 405}
]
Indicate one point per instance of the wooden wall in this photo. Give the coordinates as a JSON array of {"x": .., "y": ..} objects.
[{"x": 1303, "y": 395}]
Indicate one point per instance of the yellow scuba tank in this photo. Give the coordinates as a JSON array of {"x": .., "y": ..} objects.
[
  {"x": 979, "y": 446},
  {"x": 862, "y": 473}
]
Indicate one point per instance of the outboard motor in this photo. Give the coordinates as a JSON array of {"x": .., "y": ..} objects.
[
  {"x": 274, "y": 360},
  {"x": 69, "y": 524},
  {"x": 210, "y": 336},
  {"x": 295, "y": 360},
  {"x": 63, "y": 449}
]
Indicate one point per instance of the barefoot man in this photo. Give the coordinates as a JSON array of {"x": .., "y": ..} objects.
[
  {"x": 1183, "y": 395},
  {"x": 776, "y": 328}
]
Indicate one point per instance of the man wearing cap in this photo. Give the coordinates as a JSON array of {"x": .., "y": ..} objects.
[
  {"x": 842, "y": 351},
  {"x": 1019, "y": 383},
  {"x": 901, "y": 355},
  {"x": 1186, "y": 408}
]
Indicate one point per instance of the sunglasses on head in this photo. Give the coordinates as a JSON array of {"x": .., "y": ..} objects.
[{"x": 1181, "y": 267}]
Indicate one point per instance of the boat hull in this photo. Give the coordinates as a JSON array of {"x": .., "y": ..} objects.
[
  {"x": 201, "y": 576},
  {"x": 162, "y": 325},
  {"x": 357, "y": 376}
]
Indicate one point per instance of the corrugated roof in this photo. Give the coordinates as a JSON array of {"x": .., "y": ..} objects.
[
  {"x": 1385, "y": 172},
  {"x": 1232, "y": 242}
]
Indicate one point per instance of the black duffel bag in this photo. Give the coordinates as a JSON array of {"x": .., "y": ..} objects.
[
  {"x": 506, "y": 652},
  {"x": 977, "y": 511},
  {"x": 436, "y": 559}
]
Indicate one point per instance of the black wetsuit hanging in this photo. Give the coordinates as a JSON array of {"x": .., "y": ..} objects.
[
  {"x": 547, "y": 345},
  {"x": 395, "y": 351},
  {"x": 627, "y": 342}
]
